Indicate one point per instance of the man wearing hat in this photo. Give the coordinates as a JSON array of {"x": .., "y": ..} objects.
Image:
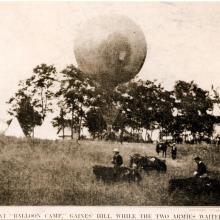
[
  {"x": 117, "y": 158},
  {"x": 201, "y": 171}
]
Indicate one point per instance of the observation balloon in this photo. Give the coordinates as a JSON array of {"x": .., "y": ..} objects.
[{"x": 110, "y": 49}]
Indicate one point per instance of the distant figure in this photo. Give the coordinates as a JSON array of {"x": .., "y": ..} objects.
[
  {"x": 162, "y": 146},
  {"x": 201, "y": 171},
  {"x": 173, "y": 151},
  {"x": 117, "y": 158}
]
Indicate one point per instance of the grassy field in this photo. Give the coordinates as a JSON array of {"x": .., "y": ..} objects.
[{"x": 60, "y": 173}]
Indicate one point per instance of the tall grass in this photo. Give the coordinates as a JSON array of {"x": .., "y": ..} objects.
[{"x": 42, "y": 172}]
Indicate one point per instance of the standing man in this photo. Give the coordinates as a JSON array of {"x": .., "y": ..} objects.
[{"x": 174, "y": 151}]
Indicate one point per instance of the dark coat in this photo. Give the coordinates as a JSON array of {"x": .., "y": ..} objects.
[
  {"x": 201, "y": 169},
  {"x": 174, "y": 152},
  {"x": 117, "y": 160}
]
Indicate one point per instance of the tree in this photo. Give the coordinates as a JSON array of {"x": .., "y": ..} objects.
[
  {"x": 60, "y": 122},
  {"x": 164, "y": 110},
  {"x": 129, "y": 101},
  {"x": 34, "y": 97},
  {"x": 193, "y": 105},
  {"x": 22, "y": 109},
  {"x": 95, "y": 122},
  {"x": 40, "y": 87},
  {"x": 74, "y": 97},
  {"x": 215, "y": 97},
  {"x": 146, "y": 105}
]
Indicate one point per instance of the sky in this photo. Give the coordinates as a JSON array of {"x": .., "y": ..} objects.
[{"x": 183, "y": 39}]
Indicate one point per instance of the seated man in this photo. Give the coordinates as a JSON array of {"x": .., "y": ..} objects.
[
  {"x": 117, "y": 158},
  {"x": 201, "y": 171}
]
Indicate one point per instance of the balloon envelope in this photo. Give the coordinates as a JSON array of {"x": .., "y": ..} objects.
[{"x": 110, "y": 49}]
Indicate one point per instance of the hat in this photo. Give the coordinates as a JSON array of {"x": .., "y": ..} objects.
[
  {"x": 115, "y": 150},
  {"x": 197, "y": 158},
  {"x": 134, "y": 165}
]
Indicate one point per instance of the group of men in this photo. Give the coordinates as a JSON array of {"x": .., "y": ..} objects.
[{"x": 200, "y": 172}]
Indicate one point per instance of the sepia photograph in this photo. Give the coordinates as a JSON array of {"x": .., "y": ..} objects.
[{"x": 109, "y": 104}]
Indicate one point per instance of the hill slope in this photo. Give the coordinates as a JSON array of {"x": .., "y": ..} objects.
[{"x": 60, "y": 173}]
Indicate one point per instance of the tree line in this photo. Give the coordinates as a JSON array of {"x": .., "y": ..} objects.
[{"x": 138, "y": 104}]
